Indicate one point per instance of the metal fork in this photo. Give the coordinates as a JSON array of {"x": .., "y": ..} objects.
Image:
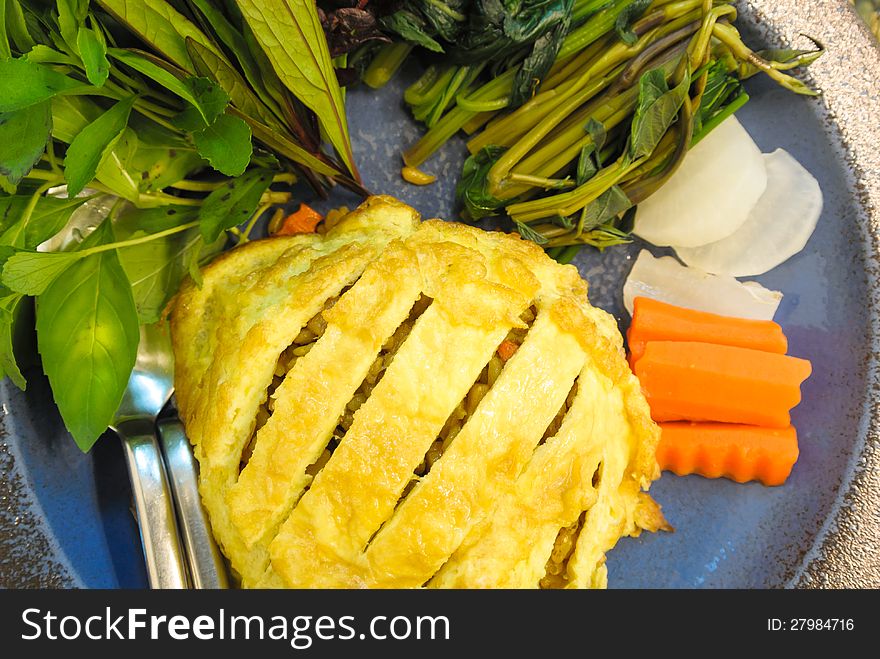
[{"x": 174, "y": 559}]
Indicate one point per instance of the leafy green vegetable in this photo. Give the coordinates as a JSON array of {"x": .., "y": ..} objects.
[
  {"x": 24, "y": 83},
  {"x": 586, "y": 167},
  {"x": 226, "y": 144},
  {"x": 412, "y": 29},
  {"x": 24, "y": 134},
  {"x": 157, "y": 23},
  {"x": 529, "y": 233},
  {"x": 291, "y": 36},
  {"x": 32, "y": 272},
  {"x": 472, "y": 189},
  {"x": 10, "y": 311},
  {"x": 87, "y": 333},
  {"x": 16, "y": 27},
  {"x": 93, "y": 144},
  {"x": 631, "y": 13},
  {"x": 156, "y": 268},
  {"x": 5, "y": 50},
  {"x": 204, "y": 95},
  {"x": 657, "y": 108},
  {"x": 70, "y": 14},
  {"x": 240, "y": 94},
  {"x": 93, "y": 51},
  {"x": 26, "y": 230},
  {"x": 607, "y": 206},
  {"x": 232, "y": 203}
]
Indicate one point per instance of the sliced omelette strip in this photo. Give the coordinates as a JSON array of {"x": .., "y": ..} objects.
[
  {"x": 482, "y": 462},
  {"x": 314, "y": 394},
  {"x": 321, "y": 544},
  {"x": 511, "y": 550}
]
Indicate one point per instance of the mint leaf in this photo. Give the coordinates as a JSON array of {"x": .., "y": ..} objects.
[
  {"x": 94, "y": 56},
  {"x": 87, "y": 333},
  {"x": 226, "y": 144},
  {"x": 93, "y": 144},
  {"x": 24, "y": 83},
  {"x": 24, "y": 134},
  {"x": 233, "y": 203}
]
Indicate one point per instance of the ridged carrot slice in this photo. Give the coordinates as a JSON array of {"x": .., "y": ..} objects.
[
  {"x": 658, "y": 321},
  {"x": 304, "y": 220},
  {"x": 738, "y": 452},
  {"x": 686, "y": 380}
]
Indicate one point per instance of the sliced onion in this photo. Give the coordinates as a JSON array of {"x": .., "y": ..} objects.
[
  {"x": 710, "y": 195},
  {"x": 665, "y": 279},
  {"x": 778, "y": 227}
]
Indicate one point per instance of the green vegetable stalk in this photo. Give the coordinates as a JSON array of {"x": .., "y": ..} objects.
[
  {"x": 188, "y": 114},
  {"x": 633, "y": 86}
]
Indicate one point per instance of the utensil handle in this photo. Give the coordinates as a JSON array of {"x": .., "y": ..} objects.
[
  {"x": 166, "y": 565},
  {"x": 206, "y": 565}
]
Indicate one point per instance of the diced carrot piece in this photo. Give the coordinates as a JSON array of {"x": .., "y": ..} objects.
[
  {"x": 658, "y": 321},
  {"x": 304, "y": 220},
  {"x": 506, "y": 349},
  {"x": 685, "y": 380},
  {"x": 738, "y": 452}
]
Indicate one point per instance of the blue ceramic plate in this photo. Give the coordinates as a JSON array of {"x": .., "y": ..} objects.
[{"x": 65, "y": 518}]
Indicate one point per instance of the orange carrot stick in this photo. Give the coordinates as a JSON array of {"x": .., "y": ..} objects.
[
  {"x": 684, "y": 380},
  {"x": 738, "y": 452},
  {"x": 658, "y": 321},
  {"x": 506, "y": 349},
  {"x": 303, "y": 220}
]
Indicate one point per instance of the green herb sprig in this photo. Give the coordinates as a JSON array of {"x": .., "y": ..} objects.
[{"x": 190, "y": 114}]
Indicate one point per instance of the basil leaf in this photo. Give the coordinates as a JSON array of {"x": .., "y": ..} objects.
[
  {"x": 657, "y": 107},
  {"x": 87, "y": 333},
  {"x": 226, "y": 144},
  {"x": 93, "y": 144},
  {"x": 32, "y": 272},
  {"x": 233, "y": 203},
  {"x": 608, "y": 205},
  {"x": 24, "y": 134},
  {"x": 529, "y": 233},
  {"x": 202, "y": 93},
  {"x": 24, "y": 83},
  {"x": 630, "y": 14},
  {"x": 48, "y": 217},
  {"x": 158, "y": 24},
  {"x": 156, "y": 268},
  {"x": 94, "y": 56},
  {"x": 10, "y": 311},
  {"x": 291, "y": 36}
]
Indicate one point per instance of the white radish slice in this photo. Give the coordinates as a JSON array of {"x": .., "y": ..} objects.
[
  {"x": 711, "y": 193},
  {"x": 665, "y": 279},
  {"x": 778, "y": 227}
]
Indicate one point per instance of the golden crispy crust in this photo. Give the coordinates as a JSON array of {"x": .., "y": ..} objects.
[{"x": 488, "y": 512}]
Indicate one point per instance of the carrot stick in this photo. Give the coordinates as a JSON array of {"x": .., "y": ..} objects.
[
  {"x": 304, "y": 220},
  {"x": 658, "y": 321},
  {"x": 738, "y": 452},
  {"x": 684, "y": 380},
  {"x": 506, "y": 349}
]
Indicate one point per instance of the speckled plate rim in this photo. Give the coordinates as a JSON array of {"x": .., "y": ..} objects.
[{"x": 846, "y": 550}]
